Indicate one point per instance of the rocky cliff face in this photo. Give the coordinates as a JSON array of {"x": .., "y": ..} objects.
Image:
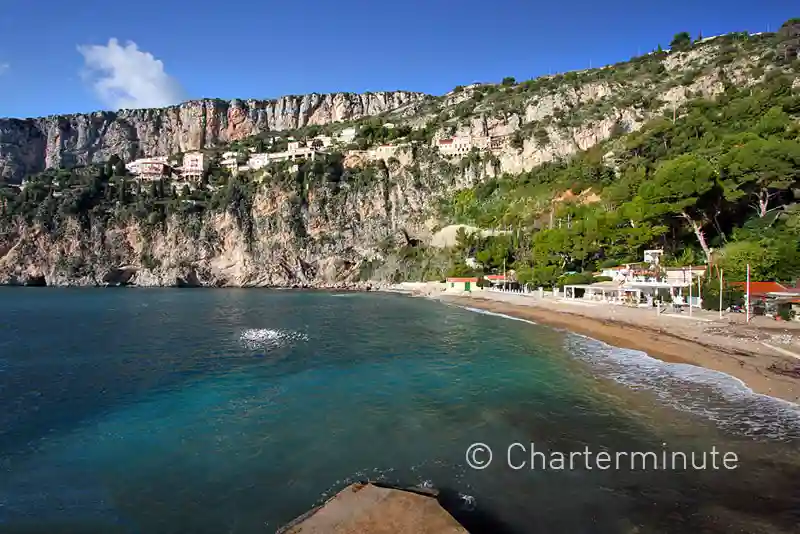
[
  {"x": 32, "y": 145},
  {"x": 328, "y": 232},
  {"x": 324, "y": 240}
]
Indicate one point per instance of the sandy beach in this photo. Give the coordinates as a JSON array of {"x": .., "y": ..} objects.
[{"x": 760, "y": 355}]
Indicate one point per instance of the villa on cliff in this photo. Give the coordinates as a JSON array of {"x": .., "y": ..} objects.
[
  {"x": 346, "y": 136},
  {"x": 296, "y": 150},
  {"x": 461, "y": 145},
  {"x": 195, "y": 165},
  {"x": 153, "y": 168}
]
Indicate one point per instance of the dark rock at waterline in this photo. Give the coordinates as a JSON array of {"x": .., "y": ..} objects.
[
  {"x": 34, "y": 281},
  {"x": 119, "y": 277},
  {"x": 190, "y": 279},
  {"x": 474, "y": 518}
]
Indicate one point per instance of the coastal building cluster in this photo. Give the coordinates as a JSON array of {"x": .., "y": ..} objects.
[
  {"x": 644, "y": 284},
  {"x": 196, "y": 164},
  {"x": 462, "y": 145}
]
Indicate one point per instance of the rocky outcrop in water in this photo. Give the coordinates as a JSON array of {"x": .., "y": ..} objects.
[{"x": 32, "y": 145}]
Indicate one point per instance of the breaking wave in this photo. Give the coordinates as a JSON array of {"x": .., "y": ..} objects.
[
  {"x": 724, "y": 399},
  {"x": 495, "y": 314},
  {"x": 720, "y": 397},
  {"x": 261, "y": 338}
]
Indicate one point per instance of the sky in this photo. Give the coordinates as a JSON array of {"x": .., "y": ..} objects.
[{"x": 67, "y": 56}]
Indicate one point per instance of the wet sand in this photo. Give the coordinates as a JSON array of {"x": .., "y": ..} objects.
[{"x": 736, "y": 350}]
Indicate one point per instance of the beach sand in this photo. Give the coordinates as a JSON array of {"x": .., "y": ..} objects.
[{"x": 727, "y": 346}]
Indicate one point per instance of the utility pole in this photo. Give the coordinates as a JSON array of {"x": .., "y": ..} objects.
[
  {"x": 691, "y": 279},
  {"x": 504, "y": 274},
  {"x": 747, "y": 296},
  {"x": 720, "y": 293}
]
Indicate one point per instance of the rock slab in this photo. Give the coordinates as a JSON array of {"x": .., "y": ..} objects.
[{"x": 370, "y": 509}]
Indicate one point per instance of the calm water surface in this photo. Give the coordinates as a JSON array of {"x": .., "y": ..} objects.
[{"x": 166, "y": 411}]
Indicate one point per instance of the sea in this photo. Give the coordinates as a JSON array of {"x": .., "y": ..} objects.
[{"x": 236, "y": 410}]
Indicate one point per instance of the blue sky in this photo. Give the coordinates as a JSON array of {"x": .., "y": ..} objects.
[{"x": 56, "y": 56}]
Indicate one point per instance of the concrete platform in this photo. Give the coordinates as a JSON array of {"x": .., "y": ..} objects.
[{"x": 370, "y": 509}]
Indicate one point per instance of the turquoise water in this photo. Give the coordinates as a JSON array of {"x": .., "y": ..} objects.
[{"x": 150, "y": 411}]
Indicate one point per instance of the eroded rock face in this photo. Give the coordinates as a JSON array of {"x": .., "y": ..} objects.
[
  {"x": 323, "y": 242},
  {"x": 32, "y": 145}
]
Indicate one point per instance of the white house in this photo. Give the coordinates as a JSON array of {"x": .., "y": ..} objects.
[
  {"x": 258, "y": 161},
  {"x": 460, "y": 146},
  {"x": 296, "y": 150},
  {"x": 462, "y": 284},
  {"x": 347, "y": 135},
  {"x": 195, "y": 164},
  {"x": 150, "y": 168},
  {"x": 383, "y": 152}
]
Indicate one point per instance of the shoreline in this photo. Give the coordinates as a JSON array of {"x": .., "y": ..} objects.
[
  {"x": 670, "y": 340},
  {"x": 682, "y": 343}
]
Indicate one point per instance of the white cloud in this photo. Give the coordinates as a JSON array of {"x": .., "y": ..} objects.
[
  {"x": 126, "y": 77},
  {"x": 4, "y": 68}
]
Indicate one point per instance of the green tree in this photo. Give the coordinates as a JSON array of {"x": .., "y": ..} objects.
[
  {"x": 774, "y": 122},
  {"x": 509, "y": 81},
  {"x": 681, "y": 41},
  {"x": 767, "y": 260},
  {"x": 762, "y": 170},
  {"x": 465, "y": 242},
  {"x": 681, "y": 186},
  {"x": 540, "y": 276}
]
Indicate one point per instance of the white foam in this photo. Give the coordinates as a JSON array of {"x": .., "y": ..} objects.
[
  {"x": 468, "y": 500},
  {"x": 723, "y": 398},
  {"x": 718, "y": 396},
  {"x": 495, "y": 314},
  {"x": 258, "y": 338}
]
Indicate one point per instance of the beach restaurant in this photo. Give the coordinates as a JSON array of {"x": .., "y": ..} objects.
[
  {"x": 632, "y": 292},
  {"x": 603, "y": 291}
]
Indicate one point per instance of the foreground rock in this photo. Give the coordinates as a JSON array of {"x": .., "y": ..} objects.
[{"x": 370, "y": 509}]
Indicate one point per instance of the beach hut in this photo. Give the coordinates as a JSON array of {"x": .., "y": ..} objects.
[{"x": 461, "y": 284}]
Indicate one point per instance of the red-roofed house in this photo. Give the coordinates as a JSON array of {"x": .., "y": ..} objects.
[{"x": 761, "y": 289}]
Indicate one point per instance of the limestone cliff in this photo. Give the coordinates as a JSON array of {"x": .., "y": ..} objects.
[
  {"x": 32, "y": 145},
  {"x": 305, "y": 224},
  {"x": 323, "y": 240}
]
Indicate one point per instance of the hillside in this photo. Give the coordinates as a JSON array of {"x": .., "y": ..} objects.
[
  {"x": 693, "y": 149},
  {"x": 31, "y": 145}
]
